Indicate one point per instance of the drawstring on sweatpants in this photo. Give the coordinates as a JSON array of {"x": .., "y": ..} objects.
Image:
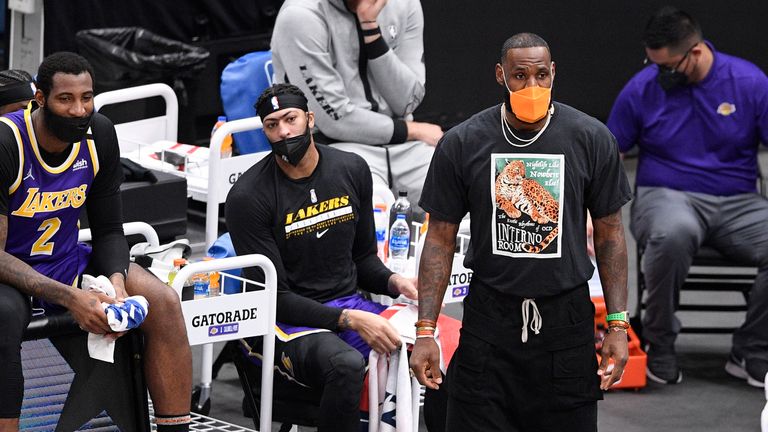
[{"x": 535, "y": 318}]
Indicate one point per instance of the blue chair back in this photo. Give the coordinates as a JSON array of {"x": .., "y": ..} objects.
[
  {"x": 223, "y": 248},
  {"x": 242, "y": 81}
]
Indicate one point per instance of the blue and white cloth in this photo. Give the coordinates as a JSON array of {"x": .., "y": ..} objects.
[{"x": 120, "y": 316}]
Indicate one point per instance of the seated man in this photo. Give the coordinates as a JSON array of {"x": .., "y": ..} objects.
[
  {"x": 361, "y": 65},
  {"x": 698, "y": 117},
  {"x": 54, "y": 160},
  {"x": 17, "y": 88},
  {"x": 308, "y": 209}
]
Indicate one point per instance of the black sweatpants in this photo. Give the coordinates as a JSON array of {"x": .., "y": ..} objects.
[
  {"x": 327, "y": 365},
  {"x": 498, "y": 383},
  {"x": 15, "y": 313},
  {"x": 332, "y": 368}
]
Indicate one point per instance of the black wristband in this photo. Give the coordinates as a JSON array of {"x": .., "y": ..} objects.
[
  {"x": 376, "y": 49},
  {"x": 372, "y": 32},
  {"x": 399, "y": 132}
]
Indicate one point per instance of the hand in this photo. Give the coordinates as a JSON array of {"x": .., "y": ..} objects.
[
  {"x": 401, "y": 285},
  {"x": 425, "y": 363},
  {"x": 368, "y": 10},
  {"x": 375, "y": 330},
  {"x": 614, "y": 348},
  {"x": 426, "y": 132},
  {"x": 86, "y": 309},
  {"x": 118, "y": 282}
]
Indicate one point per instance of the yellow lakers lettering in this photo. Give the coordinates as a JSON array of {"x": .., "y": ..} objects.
[
  {"x": 316, "y": 209},
  {"x": 43, "y": 202}
]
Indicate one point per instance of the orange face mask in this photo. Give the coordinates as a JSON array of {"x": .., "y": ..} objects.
[{"x": 529, "y": 104}]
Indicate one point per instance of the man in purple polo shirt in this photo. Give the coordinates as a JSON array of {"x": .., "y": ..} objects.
[{"x": 697, "y": 116}]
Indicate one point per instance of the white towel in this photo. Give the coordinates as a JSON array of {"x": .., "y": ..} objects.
[
  {"x": 393, "y": 395},
  {"x": 120, "y": 317},
  {"x": 391, "y": 403}
]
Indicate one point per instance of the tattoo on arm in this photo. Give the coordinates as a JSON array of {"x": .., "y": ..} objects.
[
  {"x": 24, "y": 278},
  {"x": 435, "y": 267},
  {"x": 611, "y": 254},
  {"x": 344, "y": 322}
]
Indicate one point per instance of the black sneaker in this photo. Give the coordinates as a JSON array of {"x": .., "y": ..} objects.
[
  {"x": 662, "y": 365},
  {"x": 752, "y": 370}
]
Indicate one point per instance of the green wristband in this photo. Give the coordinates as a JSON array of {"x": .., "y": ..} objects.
[{"x": 618, "y": 316}]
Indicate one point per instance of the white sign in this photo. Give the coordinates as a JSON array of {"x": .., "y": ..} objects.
[
  {"x": 226, "y": 317},
  {"x": 458, "y": 282},
  {"x": 231, "y": 170}
]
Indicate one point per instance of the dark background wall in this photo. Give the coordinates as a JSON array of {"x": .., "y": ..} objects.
[
  {"x": 595, "y": 44},
  {"x": 228, "y": 29}
]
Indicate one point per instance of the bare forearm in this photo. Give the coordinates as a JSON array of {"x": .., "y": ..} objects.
[
  {"x": 611, "y": 254},
  {"x": 435, "y": 267},
  {"x": 24, "y": 278}
]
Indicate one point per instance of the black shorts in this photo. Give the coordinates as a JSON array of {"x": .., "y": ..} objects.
[
  {"x": 15, "y": 313},
  {"x": 498, "y": 383}
]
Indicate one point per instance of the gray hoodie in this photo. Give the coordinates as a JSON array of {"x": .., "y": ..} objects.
[{"x": 316, "y": 46}]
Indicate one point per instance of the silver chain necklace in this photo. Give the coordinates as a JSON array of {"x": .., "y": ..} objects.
[{"x": 525, "y": 142}]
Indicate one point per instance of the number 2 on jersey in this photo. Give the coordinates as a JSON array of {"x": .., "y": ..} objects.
[{"x": 42, "y": 246}]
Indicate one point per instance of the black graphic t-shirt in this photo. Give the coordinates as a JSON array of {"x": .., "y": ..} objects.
[
  {"x": 318, "y": 231},
  {"x": 527, "y": 204}
]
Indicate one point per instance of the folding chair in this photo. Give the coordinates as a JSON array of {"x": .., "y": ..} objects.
[
  {"x": 230, "y": 317},
  {"x": 66, "y": 404},
  {"x": 710, "y": 272}
]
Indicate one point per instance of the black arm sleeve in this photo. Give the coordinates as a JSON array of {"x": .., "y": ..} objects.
[
  {"x": 372, "y": 275},
  {"x": 104, "y": 205},
  {"x": 249, "y": 226},
  {"x": 9, "y": 164}
]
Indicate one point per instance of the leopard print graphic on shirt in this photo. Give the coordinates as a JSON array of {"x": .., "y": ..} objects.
[{"x": 516, "y": 194}]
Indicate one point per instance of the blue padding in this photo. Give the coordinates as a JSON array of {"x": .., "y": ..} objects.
[
  {"x": 242, "y": 81},
  {"x": 222, "y": 248}
]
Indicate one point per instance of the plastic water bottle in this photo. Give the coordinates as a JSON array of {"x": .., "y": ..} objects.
[
  {"x": 200, "y": 284},
  {"x": 399, "y": 242},
  {"x": 380, "y": 222},
  {"x": 226, "y": 146},
  {"x": 401, "y": 206},
  {"x": 214, "y": 288},
  {"x": 178, "y": 263}
]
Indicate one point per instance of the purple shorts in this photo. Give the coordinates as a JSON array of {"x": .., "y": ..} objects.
[{"x": 354, "y": 301}]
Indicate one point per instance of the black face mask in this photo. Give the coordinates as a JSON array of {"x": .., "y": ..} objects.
[
  {"x": 670, "y": 79},
  {"x": 293, "y": 149},
  {"x": 67, "y": 129}
]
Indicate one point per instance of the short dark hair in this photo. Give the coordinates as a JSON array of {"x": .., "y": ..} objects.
[
  {"x": 277, "y": 90},
  {"x": 61, "y": 62},
  {"x": 523, "y": 40},
  {"x": 14, "y": 76},
  {"x": 672, "y": 28}
]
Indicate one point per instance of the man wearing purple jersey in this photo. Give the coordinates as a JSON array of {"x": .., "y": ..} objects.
[
  {"x": 697, "y": 116},
  {"x": 53, "y": 161}
]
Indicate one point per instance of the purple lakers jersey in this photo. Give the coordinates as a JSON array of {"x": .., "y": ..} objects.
[{"x": 45, "y": 204}]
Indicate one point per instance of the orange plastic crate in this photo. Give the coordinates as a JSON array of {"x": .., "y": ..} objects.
[{"x": 634, "y": 371}]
